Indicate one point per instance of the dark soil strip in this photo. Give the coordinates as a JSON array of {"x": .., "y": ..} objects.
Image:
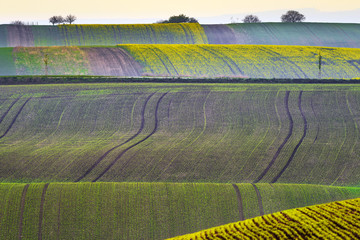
[
  {"x": 117, "y": 146},
  {"x": 7, "y": 111},
  {"x": 240, "y": 202},
  {"x": 42, "y": 210},
  {"x": 286, "y": 99},
  {"x": 16, "y": 116},
  {"x": 298, "y": 145},
  {"x": 135, "y": 144},
  {"x": 261, "y": 208},
  {"x": 22, "y": 207}
]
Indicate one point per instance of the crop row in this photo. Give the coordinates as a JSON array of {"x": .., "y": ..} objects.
[
  {"x": 141, "y": 210},
  {"x": 207, "y": 133},
  {"x": 336, "y": 220}
]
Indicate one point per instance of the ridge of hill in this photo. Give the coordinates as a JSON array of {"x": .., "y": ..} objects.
[{"x": 304, "y": 34}]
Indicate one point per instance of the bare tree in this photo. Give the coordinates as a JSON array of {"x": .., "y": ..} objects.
[
  {"x": 70, "y": 18},
  {"x": 17, "y": 22},
  {"x": 53, "y": 20},
  {"x": 251, "y": 19},
  {"x": 60, "y": 19},
  {"x": 292, "y": 16}
]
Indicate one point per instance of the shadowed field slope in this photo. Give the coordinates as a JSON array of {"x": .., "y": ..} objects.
[
  {"x": 142, "y": 210},
  {"x": 336, "y": 220},
  {"x": 302, "y": 34},
  {"x": 180, "y": 133},
  {"x": 100, "y": 34},
  {"x": 255, "y": 61}
]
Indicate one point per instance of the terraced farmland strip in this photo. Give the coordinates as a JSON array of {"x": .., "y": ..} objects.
[
  {"x": 304, "y": 223},
  {"x": 286, "y": 100},
  {"x": 137, "y": 143},
  {"x": 297, "y": 146},
  {"x": 14, "y": 119},
  {"x": 119, "y": 145}
]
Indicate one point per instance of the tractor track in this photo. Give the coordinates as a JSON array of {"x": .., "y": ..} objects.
[
  {"x": 22, "y": 208},
  {"x": 240, "y": 202},
  {"x": 121, "y": 144},
  {"x": 41, "y": 214},
  {"x": 14, "y": 119},
  {"x": 261, "y": 207},
  {"x": 135, "y": 144},
  {"x": 291, "y": 125},
  {"x": 8, "y": 110},
  {"x": 297, "y": 146}
]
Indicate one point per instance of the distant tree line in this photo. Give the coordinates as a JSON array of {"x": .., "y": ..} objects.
[
  {"x": 290, "y": 16},
  {"x": 59, "y": 19},
  {"x": 179, "y": 19}
]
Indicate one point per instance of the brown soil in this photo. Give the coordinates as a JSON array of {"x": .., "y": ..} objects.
[
  {"x": 219, "y": 34},
  {"x": 112, "y": 62}
]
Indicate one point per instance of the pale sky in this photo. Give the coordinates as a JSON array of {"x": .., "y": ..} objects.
[{"x": 148, "y": 10}]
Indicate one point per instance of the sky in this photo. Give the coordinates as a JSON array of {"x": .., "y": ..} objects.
[{"x": 206, "y": 11}]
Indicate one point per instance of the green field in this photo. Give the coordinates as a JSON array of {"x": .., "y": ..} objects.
[
  {"x": 184, "y": 60},
  {"x": 288, "y": 133},
  {"x": 151, "y": 131},
  {"x": 142, "y": 210}
]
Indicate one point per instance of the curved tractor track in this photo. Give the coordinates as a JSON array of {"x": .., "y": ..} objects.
[
  {"x": 133, "y": 145},
  {"x": 299, "y": 143},
  {"x": 14, "y": 119},
  {"x": 291, "y": 125},
  {"x": 117, "y": 146}
]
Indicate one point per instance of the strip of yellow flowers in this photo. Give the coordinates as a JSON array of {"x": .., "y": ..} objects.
[
  {"x": 112, "y": 34},
  {"x": 256, "y": 61},
  {"x": 336, "y": 220}
]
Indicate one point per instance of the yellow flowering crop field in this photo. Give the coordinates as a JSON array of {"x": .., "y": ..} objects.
[
  {"x": 254, "y": 61},
  {"x": 336, "y": 220}
]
